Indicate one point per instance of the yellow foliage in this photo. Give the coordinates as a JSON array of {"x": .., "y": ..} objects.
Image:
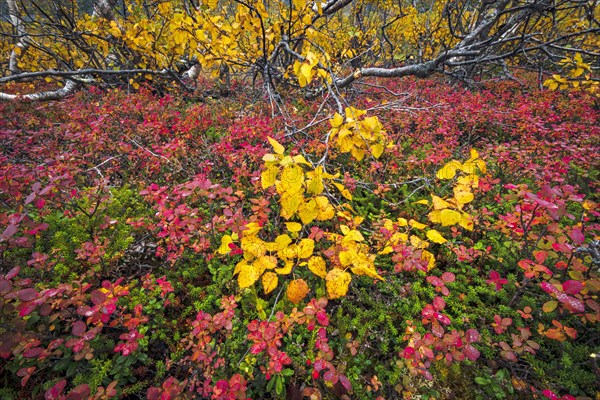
[
  {"x": 317, "y": 266},
  {"x": 337, "y": 282},
  {"x": 435, "y": 236},
  {"x": 269, "y": 282}
]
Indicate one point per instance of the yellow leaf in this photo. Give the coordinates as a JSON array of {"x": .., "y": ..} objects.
[
  {"x": 248, "y": 275},
  {"x": 336, "y": 121},
  {"x": 290, "y": 203},
  {"x": 337, "y": 282},
  {"x": 325, "y": 209},
  {"x": 269, "y": 282},
  {"x": 306, "y": 248},
  {"x": 469, "y": 180},
  {"x": 238, "y": 267},
  {"x": 317, "y": 266},
  {"x": 269, "y": 176},
  {"x": 425, "y": 255},
  {"x": 278, "y": 148},
  {"x": 435, "y": 236},
  {"x": 308, "y": 211},
  {"x": 344, "y": 228},
  {"x": 293, "y": 226},
  {"x": 368, "y": 270},
  {"x": 287, "y": 160},
  {"x": 377, "y": 150},
  {"x": 282, "y": 241},
  {"x": 462, "y": 197},
  {"x": 354, "y": 236},
  {"x": 449, "y": 217},
  {"x": 448, "y": 171},
  {"x": 265, "y": 262},
  {"x": 315, "y": 182},
  {"x": 292, "y": 178},
  {"x": 372, "y": 124},
  {"x": 466, "y": 221},
  {"x": 253, "y": 247},
  {"x": 474, "y": 154},
  {"x": 297, "y": 290},
  {"x": 399, "y": 237},
  {"x": 402, "y": 222},
  {"x": 357, "y": 153},
  {"x": 417, "y": 224},
  {"x": 269, "y": 158},
  {"x": 211, "y": 4},
  {"x": 417, "y": 243},
  {"x": 386, "y": 250},
  {"x": 252, "y": 228},
  {"x": 306, "y": 72},
  {"x": 424, "y": 201},
  {"x": 439, "y": 203},
  {"x": 286, "y": 269},
  {"x": 346, "y": 257},
  {"x": 299, "y": 159},
  {"x": 343, "y": 190},
  {"x": 354, "y": 113},
  {"x": 225, "y": 241}
]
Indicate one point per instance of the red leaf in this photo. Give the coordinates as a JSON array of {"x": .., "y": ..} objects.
[
  {"x": 577, "y": 236},
  {"x": 98, "y": 297},
  {"x": 80, "y": 392},
  {"x": 30, "y": 198},
  {"x": 5, "y": 286},
  {"x": 472, "y": 336},
  {"x": 550, "y": 394},
  {"x": 13, "y": 272},
  {"x": 571, "y": 303},
  {"x": 79, "y": 328},
  {"x": 437, "y": 329},
  {"x": 31, "y": 353},
  {"x": 471, "y": 352},
  {"x": 55, "y": 390},
  {"x": 572, "y": 287},
  {"x": 548, "y": 288},
  {"x": 345, "y": 383},
  {"x": 9, "y": 231},
  {"x": 448, "y": 277},
  {"x": 26, "y": 309},
  {"x": 27, "y": 294},
  {"x": 439, "y": 303}
]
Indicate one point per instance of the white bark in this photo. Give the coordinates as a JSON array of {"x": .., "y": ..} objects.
[{"x": 69, "y": 88}]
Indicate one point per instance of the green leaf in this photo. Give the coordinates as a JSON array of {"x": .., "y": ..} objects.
[
  {"x": 482, "y": 381},
  {"x": 279, "y": 385}
]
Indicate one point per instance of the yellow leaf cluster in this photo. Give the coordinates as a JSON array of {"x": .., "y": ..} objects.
[
  {"x": 357, "y": 136},
  {"x": 300, "y": 191}
]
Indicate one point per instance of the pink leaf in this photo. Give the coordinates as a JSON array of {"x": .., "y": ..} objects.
[
  {"x": 9, "y": 231},
  {"x": 55, "y": 390},
  {"x": 550, "y": 394},
  {"x": 27, "y": 294},
  {"x": 80, "y": 392},
  {"x": 448, "y": 277},
  {"x": 471, "y": 352},
  {"x": 345, "y": 383},
  {"x": 439, "y": 303},
  {"x": 472, "y": 336},
  {"x": 577, "y": 236},
  {"x": 13, "y": 272},
  {"x": 572, "y": 287},
  {"x": 79, "y": 328}
]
